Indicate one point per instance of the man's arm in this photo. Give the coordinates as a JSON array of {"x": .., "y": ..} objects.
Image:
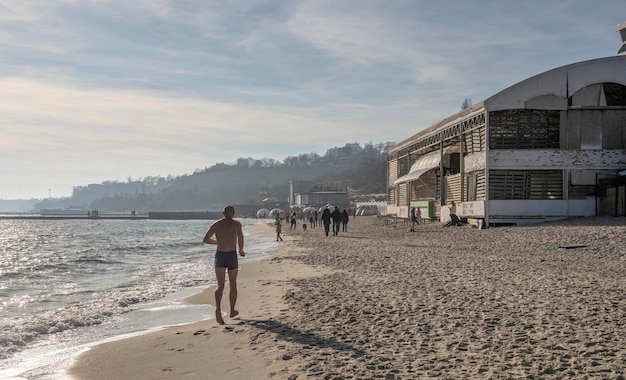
[
  {"x": 207, "y": 238},
  {"x": 240, "y": 240}
]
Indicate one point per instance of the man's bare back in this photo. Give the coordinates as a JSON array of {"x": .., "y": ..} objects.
[{"x": 228, "y": 234}]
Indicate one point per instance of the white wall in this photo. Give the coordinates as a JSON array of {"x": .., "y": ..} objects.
[
  {"x": 541, "y": 208},
  {"x": 527, "y": 208},
  {"x": 556, "y": 159}
]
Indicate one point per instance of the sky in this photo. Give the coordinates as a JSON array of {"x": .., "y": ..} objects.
[{"x": 112, "y": 90}]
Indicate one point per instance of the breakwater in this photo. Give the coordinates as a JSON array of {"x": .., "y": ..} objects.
[{"x": 160, "y": 215}]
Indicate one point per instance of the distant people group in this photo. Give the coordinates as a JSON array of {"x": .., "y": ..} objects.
[{"x": 335, "y": 218}]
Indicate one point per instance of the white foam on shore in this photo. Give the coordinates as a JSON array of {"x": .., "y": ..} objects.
[{"x": 50, "y": 359}]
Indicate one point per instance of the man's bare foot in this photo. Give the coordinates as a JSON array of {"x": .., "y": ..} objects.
[
  {"x": 218, "y": 317},
  {"x": 234, "y": 313}
]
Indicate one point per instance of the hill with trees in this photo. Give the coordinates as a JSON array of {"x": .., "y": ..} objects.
[{"x": 246, "y": 181}]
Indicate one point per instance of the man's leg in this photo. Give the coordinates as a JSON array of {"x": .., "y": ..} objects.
[
  {"x": 232, "y": 282},
  {"x": 220, "y": 274}
]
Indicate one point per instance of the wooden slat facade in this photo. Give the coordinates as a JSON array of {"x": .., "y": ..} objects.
[
  {"x": 393, "y": 171},
  {"x": 476, "y": 186},
  {"x": 453, "y": 188},
  {"x": 524, "y": 129},
  {"x": 403, "y": 194},
  {"x": 525, "y": 184}
]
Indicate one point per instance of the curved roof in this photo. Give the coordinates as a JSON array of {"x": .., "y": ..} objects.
[
  {"x": 548, "y": 90},
  {"x": 555, "y": 86}
]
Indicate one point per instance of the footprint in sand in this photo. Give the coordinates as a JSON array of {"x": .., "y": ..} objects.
[{"x": 199, "y": 332}]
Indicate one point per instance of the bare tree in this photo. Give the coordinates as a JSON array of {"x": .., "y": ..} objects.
[{"x": 467, "y": 103}]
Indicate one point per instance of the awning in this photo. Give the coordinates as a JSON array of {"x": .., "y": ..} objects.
[{"x": 422, "y": 165}]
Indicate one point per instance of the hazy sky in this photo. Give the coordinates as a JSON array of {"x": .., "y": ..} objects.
[{"x": 95, "y": 90}]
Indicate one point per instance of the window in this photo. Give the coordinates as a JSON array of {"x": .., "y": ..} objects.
[
  {"x": 524, "y": 129},
  {"x": 615, "y": 94},
  {"x": 525, "y": 184}
]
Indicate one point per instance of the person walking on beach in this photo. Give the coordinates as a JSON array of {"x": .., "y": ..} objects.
[
  {"x": 277, "y": 218},
  {"x": 413, "y": 220},
  {"x": 279, "y": 228},
  {"x": 293, "y": 221},
  {"x": 344, "y": 220},
  {"x": 228, "y": 236},
  {"x": 454, "y": 219},
  {"x": 336, "y": 215},
  {"x": 418, "y": 215},
  {"x": 326, "y": 220}
]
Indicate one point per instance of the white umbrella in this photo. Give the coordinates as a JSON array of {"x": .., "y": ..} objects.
[
  {"x": 329, "y": 207},
  {"x": 262, "y": 213},
  {"x": 275, "y": 211}
]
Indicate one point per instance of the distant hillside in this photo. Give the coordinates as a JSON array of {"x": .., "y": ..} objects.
[
  {"x": 17, "y": 206},
  {"x": 246, "y": 181},
  {"x": 236, "y": 185}
]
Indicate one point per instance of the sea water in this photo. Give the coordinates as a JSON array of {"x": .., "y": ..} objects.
[{"x": 65, "y": 284}]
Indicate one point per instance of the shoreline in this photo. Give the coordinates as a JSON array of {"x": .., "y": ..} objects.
[
  {"x": 542, "y": 301},
  {"x": 182, "y": 351}
]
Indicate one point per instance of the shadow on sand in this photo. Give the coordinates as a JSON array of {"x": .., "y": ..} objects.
[{"x": 290, "y": 334}]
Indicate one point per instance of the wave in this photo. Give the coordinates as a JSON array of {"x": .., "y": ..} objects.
[
  {"x": 81, "y": 280},
  {"x": 96, "y": 260},
  {"x": 152, "y": 283}
]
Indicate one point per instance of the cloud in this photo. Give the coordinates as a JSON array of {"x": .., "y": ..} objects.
[
  {"x": 102, "y": 89},
  {"x": 77, "y": 133}
]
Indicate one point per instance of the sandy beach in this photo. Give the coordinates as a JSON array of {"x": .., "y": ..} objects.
[{"x": 545, "y": 301}]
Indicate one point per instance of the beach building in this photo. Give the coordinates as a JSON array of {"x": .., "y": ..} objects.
[
  {"x": 320, "y": 193},
  {"x": 547, "y": 148}
]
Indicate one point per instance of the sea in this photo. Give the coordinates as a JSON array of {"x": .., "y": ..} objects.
[{"x": 66, "y": 284}]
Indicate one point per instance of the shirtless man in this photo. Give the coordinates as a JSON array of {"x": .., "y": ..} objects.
[{"x": 228, "y": 236}]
